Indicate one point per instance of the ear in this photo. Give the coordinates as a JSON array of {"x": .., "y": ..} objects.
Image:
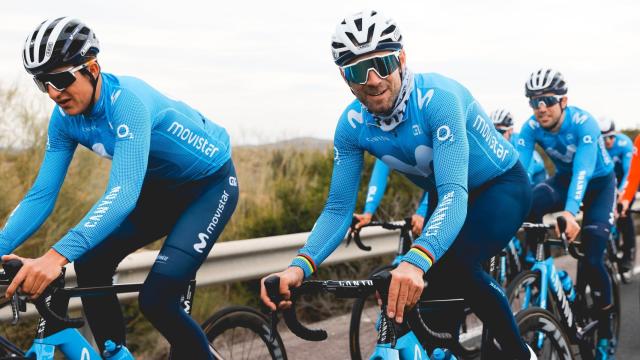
[
  {"x": 563, "y": 102},
  {"x": 94, "y": 68},
  {"x": 403, "y": 58}
]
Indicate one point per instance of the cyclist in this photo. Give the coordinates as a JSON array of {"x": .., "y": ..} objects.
[
  {"x": 584, "y": 173},
  {"x": 431, "y": 129},
  {"x": 503, "y": 121},
  {"x": 171, "y": 175},
  {"x": 620, "y": 149},
  {"x": 377, "y": 186}
]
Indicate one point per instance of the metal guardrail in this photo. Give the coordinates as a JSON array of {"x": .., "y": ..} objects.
[{"x": 239, "y": 260}]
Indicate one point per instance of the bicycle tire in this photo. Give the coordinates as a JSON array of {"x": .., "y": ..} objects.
[
  {"x": 529, "y": 277},
  {"x": 533, "y": 321},
  {"x": 251, "y": 325}
]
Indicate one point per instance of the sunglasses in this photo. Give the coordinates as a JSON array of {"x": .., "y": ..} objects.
[
  {"x": 546, "y": 100},
  {"x": 60, "y": 80},
  {"x": 383, "y": 65}
]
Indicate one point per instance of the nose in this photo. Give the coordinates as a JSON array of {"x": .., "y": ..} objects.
[
  {"x": 52, "y": 92},
  {"x": 373, "y": 79}
]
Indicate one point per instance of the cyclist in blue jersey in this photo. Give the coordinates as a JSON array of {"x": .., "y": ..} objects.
[
  {"x": 171, "y": 175},
  {"x": 620, "y": 148},
  {"x": 429, "y": 128},
  {"x": 375, "y": 192},
  {"x": 503, "y": 121},
  {"x": 584, "y": 174}
]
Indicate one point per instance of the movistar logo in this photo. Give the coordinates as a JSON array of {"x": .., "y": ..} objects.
[{"x": 195, "y": 140}]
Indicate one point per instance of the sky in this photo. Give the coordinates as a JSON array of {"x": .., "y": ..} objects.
[{"x": 264, "y": 71}]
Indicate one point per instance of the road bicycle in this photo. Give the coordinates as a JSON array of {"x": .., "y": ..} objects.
[
  {"x": 546, "y": 287},
  {"x": 365, "y": 310},
  {"x": 413, "y": 339},
  {"x": 234, "y": 333}
]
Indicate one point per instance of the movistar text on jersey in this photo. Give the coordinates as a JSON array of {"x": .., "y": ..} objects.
[{"x": 193, "y": 139}]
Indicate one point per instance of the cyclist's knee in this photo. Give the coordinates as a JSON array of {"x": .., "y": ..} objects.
[{"x": 159, "y": 296}]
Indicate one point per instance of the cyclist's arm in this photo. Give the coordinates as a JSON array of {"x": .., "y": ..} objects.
[
  {"x": 584, "y": 163},
  {"x": 133, "y": 123},
  {"x": 536, "y": 166},
  {"x": 38, "y": 203},
  {"x": 450, "y": 156},
  {"x": 377, "y": 186},
  {"x": 626, "y": 163},
  {"x": 331, "y": 226},
  {"x": 423, "y": 206},
  {"x": 633, "y": 179},
  {"x": 526, "y": 144}
]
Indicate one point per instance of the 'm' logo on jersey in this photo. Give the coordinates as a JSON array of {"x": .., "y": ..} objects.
[
  {"x": 424, "y": 158},
  {"x": 579, "y": 118},
  {"x": 567, "y": 157},
  {"x": 424, "y": 100},
  {"x": 352, "y": 116},
  {"x": 416, "y": 130}
]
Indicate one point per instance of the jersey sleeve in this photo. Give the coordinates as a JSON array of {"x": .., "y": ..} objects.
[
  {"x": 332, "y": 225},
  {"x": 377, "y": 186},
  {"x": 536, "y": 165},
  {"x": 446, "y": 115},
  {"x": 39, "y": 201},
  {"x": 132, "y": 130},
  {"x": 627, "y": 154},
  {"x": 633, "y": 180},
  {"x": 584, "y": 163},
  {"x": 526, "y": 144}
]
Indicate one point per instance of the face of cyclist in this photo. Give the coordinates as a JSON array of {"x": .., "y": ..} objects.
[
  {"x": 506, "y": 132},
  {"x": 75, "y": 98},
  {"x": 549, "y": 116},
  {"x": 378, "y": 94},
  {"x": 609, "y": 140}
]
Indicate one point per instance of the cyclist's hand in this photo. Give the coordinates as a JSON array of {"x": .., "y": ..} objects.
[
  {"x": 36, "y": 274},
  {"x": 572, "y": 226},
  {"x": 405, "y": 289},
  {"x": 417, "y": 222},
  {"x": 625, "y": 206},
  {"x": 363, "y": 219},
  {"x": 290, "y": 278}
]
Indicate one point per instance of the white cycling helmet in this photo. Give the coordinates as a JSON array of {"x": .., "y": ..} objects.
[
  {"x": 607, "y": 126},
  {"x": 545, "y": 80},
  {"x": 364, "y": 32},
  {"x": 502, "y": 118}
]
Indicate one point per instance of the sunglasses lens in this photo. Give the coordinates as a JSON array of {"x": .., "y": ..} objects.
[
  {"x": 383, "y": 66},
  {"x": 59, "y": 81},
  {"x": 546, "y": 100}
]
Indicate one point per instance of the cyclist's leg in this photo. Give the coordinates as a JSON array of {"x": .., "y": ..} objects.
[
  {"x": 548, "y": 196},
  {"x": 628, "y": 232},
  {"x": 185, "y": 249},
  {"x": 97, "y": 267},
  {"x": 597, "y": 221},
  {"x": 495, "y": 213}
]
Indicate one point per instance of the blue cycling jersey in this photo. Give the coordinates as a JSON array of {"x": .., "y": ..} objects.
[
  {"x": 621, "y": 153},
  {"x": 146, "y": 134},
  {"x": 577, "y": 149},
  {"x": 446, "y": 142},
  {"x": 377, "y": 186},
  {"x": 536, "y": 169}
]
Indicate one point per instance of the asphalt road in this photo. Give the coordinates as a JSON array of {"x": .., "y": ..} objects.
[{"x": 337, "y": 345}]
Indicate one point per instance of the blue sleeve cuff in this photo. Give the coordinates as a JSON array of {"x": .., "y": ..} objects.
[
  {"x": 305, "y": 263},
  {"x": 419, "y": 257}
]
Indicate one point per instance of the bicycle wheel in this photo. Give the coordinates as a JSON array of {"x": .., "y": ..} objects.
[
  {"x": 240, "y": 332},
  {"x": 536, "y": 323},
  {"x": 363, "y": 333},
  {"x": 524, "y": 292}
]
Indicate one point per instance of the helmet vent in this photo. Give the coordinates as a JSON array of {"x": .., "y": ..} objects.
[{"x": 358, "y": 23}]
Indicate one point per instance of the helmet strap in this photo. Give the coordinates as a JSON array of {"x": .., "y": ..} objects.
[{"x": 94, "y": 84}]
